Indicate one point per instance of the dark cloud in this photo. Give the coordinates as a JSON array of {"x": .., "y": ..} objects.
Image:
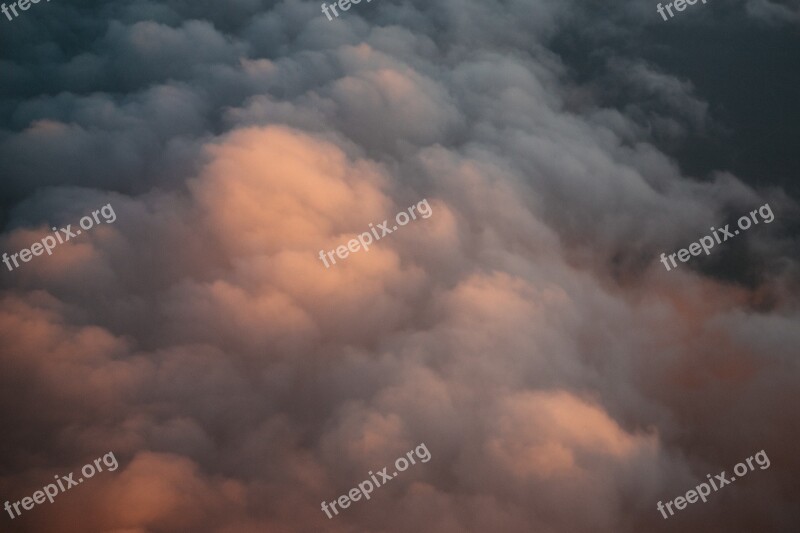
[{"x": 562, "y": 380}]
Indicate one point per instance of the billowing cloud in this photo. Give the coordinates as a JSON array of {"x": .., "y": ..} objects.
[{"x": 526, "y": 331}]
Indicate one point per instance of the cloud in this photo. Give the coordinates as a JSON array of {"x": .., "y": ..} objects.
[
  {"x": 526, "y": 332},
  {"x": 773, "y": 12}
]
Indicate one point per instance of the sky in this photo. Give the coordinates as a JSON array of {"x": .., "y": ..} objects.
[{"x": 563, "y": 375}]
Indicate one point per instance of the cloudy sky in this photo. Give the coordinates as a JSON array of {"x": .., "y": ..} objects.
[{"x": 562, "y": 379}]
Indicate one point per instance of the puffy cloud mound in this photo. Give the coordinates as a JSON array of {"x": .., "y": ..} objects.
[{"x": 526, "y": 331}]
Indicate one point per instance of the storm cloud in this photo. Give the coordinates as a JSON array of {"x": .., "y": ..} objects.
[{"x": 526, "y": 332}]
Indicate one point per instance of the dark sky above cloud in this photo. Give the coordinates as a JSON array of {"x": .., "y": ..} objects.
[
  {"x": 751, "y": 89},
  {"x": 562, "y": 380}
]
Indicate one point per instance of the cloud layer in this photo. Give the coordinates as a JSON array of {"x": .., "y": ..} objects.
[{"x": 562, "y": 380}]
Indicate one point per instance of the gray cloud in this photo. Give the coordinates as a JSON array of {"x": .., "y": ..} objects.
[{"x": 526, "y": 332}]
